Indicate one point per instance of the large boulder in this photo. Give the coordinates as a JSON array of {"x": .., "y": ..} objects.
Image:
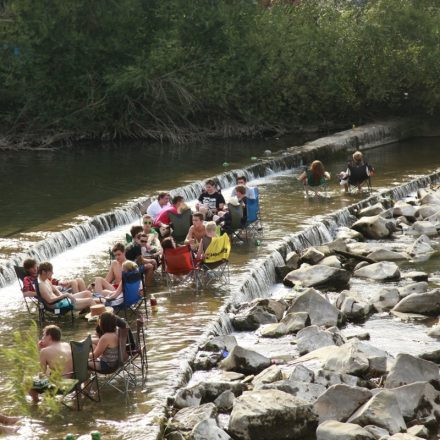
[
  {"x": 187, "y": 418},
  {"x": 420, "y": 287},
  {"x": 427, "y": 303},
  {"x": 295, "y": 321},
  {"x": 218, "y": 343},
  {"x": 208, "y": 430},
  {"x": 386, "y": 255},
  {"x": 251, "y": 318},
  {"x": 312, "y": 338},
  {"x": 348, "y": 234},
  {"x": 375, "y": 227},
  {"x": 423, "y": 227},
  {"x": 319, "y": 310},
  {"x": 404, "y": 209},
  {"x": 426, "y": 211},
  {"x": 334, "y": 430},
  {"x": 331, "y": 261},
  {"x": 308, "y": 392},
  {"x": 276, "y": 307},
  {"x": 244, "y": 361},
  {"x": 408, "y": 369},
  {"x": 421, "y": 246},
  {"x": 372, "y": 210},
  {"x": 271, "y": 414},
  {"x": 430, "y": 198},
  {"x": 274, "y": 330},
  {"x": 339, "y": 402},
  {"x": 352, "y": 306},
  {"x": 312, "y": 256},
  {"x": 385, "y": 299},
  {"x": 318, "y": 276},
  {"x": 381, "y": 410},
  {"x": 364, "y": 248},
  {"x": 383, "y": 271}
]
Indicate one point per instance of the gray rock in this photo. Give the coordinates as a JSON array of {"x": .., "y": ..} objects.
[
  {"x": 347, "y": 234},
  {"x": 312, "y": 338},
  {"x": 360, "y": 265},
  {"x": 252, "y": 318},
  {"x": 417, "y": 275},
  {"x": 418, "y": 431},
  {"x": 403, "y": 436},
  {"x": 372, "y": 210},
  {"x": 231, "y": 376},
  {"x": 307, "y": 392},
  {"x": 423, "y": 227},
  {"x": 244, "y": 361},
  {"x": 295, "y": 321},
  {"x": 338, "y": 244},
  {"x": 225, "y": 401},
  {"x": 434, "y": 332},
  {"x": 205, "y": 360},
  {"x": 185, "y": 419},
  {"x": 352, "y": 306},
  {"x": 276, "y": 307},
  {"x": 375, "y": 227},
  {"x": 427, "y": 303},
  {"x": 426, "y": 211},
  {"x": 269, "y": 375},
  {"x": 430, "y": 198},
  {"x": 292, "y": 260},
  {"x": 421, "y": 246},
  {"x": 383, "y": 271},
  {"x": 331, "y": 261},
  {"x": 318, "y": 276},
  {"x": 386, "y": 255},
  {"x": 419, "y": 287},
  {"x": 385, "y": 299},
  {"x": 186, "y": 397},
  {"x": 300, "y": 373},
  {"x": 339, "y": 402},
  {"x": 364, "y": 249},
  {"x": 274, "y": 330},
  {"x": 312, "y": 256},
  {"x": 208, "y": 430},
  {"x": 329, "y": 378},
  {"x": 334, "y": 430},
  {"x": 381, "y": 410},
  {"x": 409, "y": 369},
  {"x": 218, "y": 343},
  {"x": 212, "y": 389},
  {"x": 404, "y": 209},
  {"x": 271, "y": 414},
  {"x": 376, "y": 431},
  {"x": 320, "y": 311}
]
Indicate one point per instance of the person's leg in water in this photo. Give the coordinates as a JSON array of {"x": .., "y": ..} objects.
[{"x": 150, "y": 266}]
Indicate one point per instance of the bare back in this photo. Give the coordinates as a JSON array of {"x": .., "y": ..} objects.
[{"x": 57, "y": 355}]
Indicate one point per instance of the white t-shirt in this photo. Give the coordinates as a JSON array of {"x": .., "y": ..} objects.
[
  {"x": 250, "y": 193},
  {"x": 155, "y": 208}
]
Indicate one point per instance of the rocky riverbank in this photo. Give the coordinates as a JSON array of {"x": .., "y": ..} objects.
[{"x": 302, "y": 364}]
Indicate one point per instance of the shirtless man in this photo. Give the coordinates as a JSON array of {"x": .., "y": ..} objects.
[
  {"x": 54, "y": 354},
  {"x": 54, "y": 298},
  {"x": 196, "y": 232},
  {"x": 114, "y": 275}
]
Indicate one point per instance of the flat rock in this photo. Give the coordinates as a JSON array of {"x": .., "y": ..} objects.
[
  {"x": 269, "y": 375},
  {"x": 274, "y": 330},
  {"x": 312, "y": 256},
  {"x": 404, "y": 209},
  {"x": 375, "y": 227},
  {"x": 231, "y": 376},
  {"x": 187, "y": 418},
  {"x": 423, "y": 227},
  {"x": 347, "y": 234},
  {"x": 408, "y": 369},
  {"x": 420, "y": 287},
  {"x": 420, "y": 246},
  {"x": 364, "y": 248},
  {"x": 381, "y": 410},
  {"x": 339, "y": 402},
  {"x": 312, "y": 338},
  {"x": 244, "y": 361},
  {"x": 251, "y": 318},
  {"x": 338, "y": 244},
  {"x": 383, "y": 271},
  {"x": 418, "y": 431},
  {"x": 295, "y": 321},
  {"x": 430, "y": 198},
  {"x": 318, "y": 276},
  {"x": 208, "y": 430},
  {"x": 427, "y": 303},
  {"x": 271, "y": 414},
  {"x": 300, "y": 373},
  {"x": 334, "y": 430},
  {"x": 331, "y": 261},
  {"x": 385, "y": 299},
  {"x": 308, "y": 392},
  {"x": 387, "y": 255},
  {"x": 371, "y": 210},
  {"x": 377, "y": 432},
  {"x": 320, "y": 311},
  {"x": 426, "y": 211},
  {"x": 416, "y": 275}
]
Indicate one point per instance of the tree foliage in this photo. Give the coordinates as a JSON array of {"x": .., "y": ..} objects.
[{"x": 173, "y": 69}]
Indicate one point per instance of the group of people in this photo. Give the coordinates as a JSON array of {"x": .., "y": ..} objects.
[{"x": 358, "y": 172}]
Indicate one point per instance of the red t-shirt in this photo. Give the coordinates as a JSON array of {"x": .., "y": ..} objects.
[
  {"x": 28, "y": 284},
  {"x": 163, "y": 216}
]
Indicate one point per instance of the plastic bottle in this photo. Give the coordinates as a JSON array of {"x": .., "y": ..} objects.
[
  {"x": 153, "y": 303},
  {"x": 96, "y": 435},
  {"x": 225, "y": 164},
  {"x": 69, "y": 436},
  {"x": 257, "y": 242}
]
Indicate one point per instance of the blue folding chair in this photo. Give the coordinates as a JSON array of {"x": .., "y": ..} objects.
[
  {"x": 132, "y": 284},
  {"x": 253, "y": 220}
]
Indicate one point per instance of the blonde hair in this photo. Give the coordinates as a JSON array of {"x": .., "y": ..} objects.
[
  {"x": 358, "y": 156},
  {"x": 129, "y": 266},
  {"x": 210, "y": 227}
]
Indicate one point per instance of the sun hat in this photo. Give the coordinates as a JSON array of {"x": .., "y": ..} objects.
[
  {"x": 96, "y": 311},
  {"x": 234, "y": 201}
]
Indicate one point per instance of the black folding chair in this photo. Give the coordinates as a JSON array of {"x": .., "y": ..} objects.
[
  {"x": 180, "y": 224},
  {"x": 236, "y": 221},
  {"x": 29, "y": 301}
]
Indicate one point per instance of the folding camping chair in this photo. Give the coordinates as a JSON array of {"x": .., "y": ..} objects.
[
  {"x": 132, "y": 284},
  {"x": 236, "y": 213},
  {"x": 215, "y": 265},
  {"x": 253, "y": 221},
  {"x": 180, "y": 224},
  {"x": 83, "y": 378},
  {"x": 29, "y": 300},
  {"x": 179, "y": 266},
  {"x": 359, "y": 176},
  {"x": 138, "y": 356}
]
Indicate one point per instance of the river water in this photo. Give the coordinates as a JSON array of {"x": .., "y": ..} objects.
[{"x": 182, "y": 315}]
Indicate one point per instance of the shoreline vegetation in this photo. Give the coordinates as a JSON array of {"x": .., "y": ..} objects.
[{"x": 181, "y": 71}]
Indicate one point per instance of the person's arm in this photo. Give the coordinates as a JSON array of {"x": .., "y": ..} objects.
[
  {"x": 100, "y": 347},
  {"x": 189, "y": 236},
  {"x": 302, "y": 177},
  {"x": 200, "y": 250},
  {"x": 43, "y": 360},
  {"x": 156, "y": 244},
  {"x": 111, "y": 273},
  {"x": 221, "y": 202},
  {"x": 117, "y": 292},
  {"x": 47, "y": 295},
  {"x": 327, "y": 175}
]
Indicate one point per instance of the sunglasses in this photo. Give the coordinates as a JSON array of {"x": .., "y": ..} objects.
[
  {"x": 144, "y": 241},
  {"x": 149, "y": 222}
]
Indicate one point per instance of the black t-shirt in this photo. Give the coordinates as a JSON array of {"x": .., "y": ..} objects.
[
  {"x": 132, "y": 251},
  {"x": 212, "y": 201}
]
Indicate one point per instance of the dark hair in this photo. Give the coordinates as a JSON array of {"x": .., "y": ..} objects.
[
  {"x": 211, "y": 182},
  {"x": 107, "y": 322},
  {"x": 241, "y": 178},
  {"x": 168, "y": 243},
  {"x": 177, "y": 199},
  {"x": 45, "y": 267},
  {"x": 118, "y": 247},
  {"x": 199, "y": 215},
  {"x": 134, "y": 230},
  {"x": 162, "y": 195},
  {"x": 53, "y": 331},
  {"x": 29, "y": 263},
  {"x": 240, "y": 189}
]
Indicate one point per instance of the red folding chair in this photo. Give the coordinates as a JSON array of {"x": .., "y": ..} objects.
[{"x": 180, "y": 267}]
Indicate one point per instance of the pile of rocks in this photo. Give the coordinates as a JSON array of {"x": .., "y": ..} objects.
[{"x": 327, "y": 386}]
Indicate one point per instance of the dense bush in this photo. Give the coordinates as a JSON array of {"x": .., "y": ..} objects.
[{"x": 176, "y": 68}]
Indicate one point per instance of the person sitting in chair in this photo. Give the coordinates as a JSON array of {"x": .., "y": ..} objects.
[
  {"x": 314, "y": 177},
  {"x": 163, "y": 201},
  {"x": 358, "y": 172},
  {"x": 163, "y": 218},
  {"x": 54, "y": 298},
  {"x": 211, "y": 201},
  {"x": 242, "y": 181},
  {"x": 211, "y": 232},
  {"x": 196, "y": 232}
]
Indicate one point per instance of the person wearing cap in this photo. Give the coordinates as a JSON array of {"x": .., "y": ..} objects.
[{"x": 163, "y": 201}]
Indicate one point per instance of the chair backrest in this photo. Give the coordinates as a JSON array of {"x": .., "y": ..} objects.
[
  {"x": 21, "y": 273},
  {"x": 218, "y": 250},
  {"x": 181, "y": 224},
  {"x": 358, "y": 173},
  {"x": 80, "y": 357},
  {"x": 122, "y": 345},
  {"x": 131, "y": 284},
  {"x": 236, "y": 213},
  {"x": 178, "y": 261},
  {"x": 252, "y": 210}
]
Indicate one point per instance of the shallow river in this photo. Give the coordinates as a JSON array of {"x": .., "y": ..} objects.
[{"x": 181, "y": 315}]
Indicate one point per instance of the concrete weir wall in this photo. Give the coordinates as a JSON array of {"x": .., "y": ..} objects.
[{"x": 365, "y": 137}]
